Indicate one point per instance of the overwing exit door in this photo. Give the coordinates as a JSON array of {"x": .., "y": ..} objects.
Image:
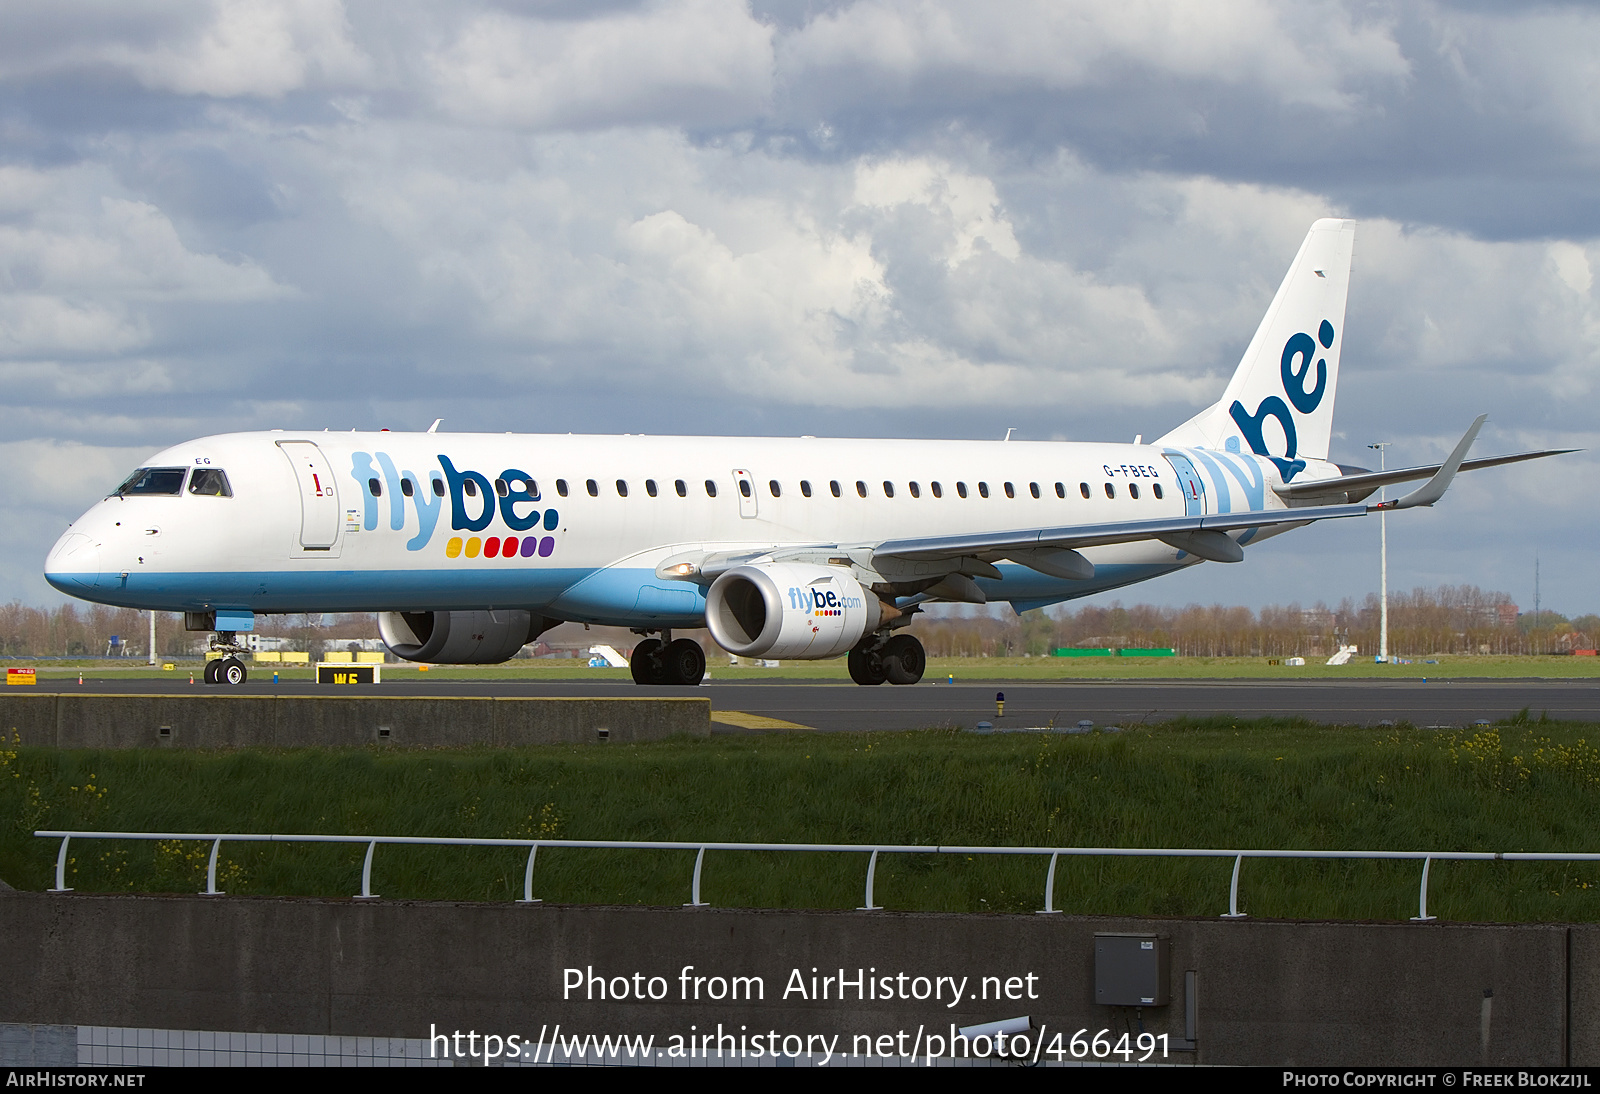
[{"x": 319, "y": 498}]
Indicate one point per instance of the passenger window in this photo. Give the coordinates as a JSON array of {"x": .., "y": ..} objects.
[
  {"x": 1157, "y": 488},
  {"x": 805, "y": 488},
  {"x": 405, "y": 487},
  {"x": 372, "y": 484},
  {"x": 1010, "y": 493},
  {"x": 772, "y": 484},
  {"x": 916, "y": 491},
  {"x": 744, "y": 487},
  {"x": 501, "y": 488},
  {"x": 210, "y": 482},
  {"x": 438, "y": 488},
  {"x": 961, "y": 489},
  {"x": 833, "y": 484},
  {"x": 861, "y": 488},
  {"x": 1133, "y": 490},
  {"x": 1083, "y": 488},
  {"x": 1033, "y": 488},
  {"x": 1111, "y": 491},
  {"x": 471, "y": 487},
  {"x": 622, "y": 488},
  {"x": 711, "y": 489},
  {"x": 561, "y": 487},
  {"x": 1061, "y": 489},
  {"x": 888, "y": 488},
  {"x": 650, "y": 487},
  {"x": 592, "y": 486},
  {"x": 983, "y": 490},
  {"x": 681, "y": 487},
  {"x": 154, "y": 480},
  {"x": 938, "y": 491}
]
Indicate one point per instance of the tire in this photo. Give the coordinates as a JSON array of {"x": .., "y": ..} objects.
[
  {"x": 645, "y": 664},
  {"x": 867, "y": 669},
  {"x": 905, "y": 660},
  {"x": 683, "y": 662},
  {"x": 211, "y": 671},
  {"x": 231, "y": 670}
]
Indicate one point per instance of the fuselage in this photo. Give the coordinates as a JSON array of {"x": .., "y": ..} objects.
[{"x": 573, "y": 527}]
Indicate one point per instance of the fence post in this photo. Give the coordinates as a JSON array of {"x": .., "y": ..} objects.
[
  {"x": 872, "y": 869},
  {"x": 1233, "y": 911},
  {"x": 366, "y": 874},
  {"x": 211, "y": 870},
  {"x": 61, "y": 867},
  {"x": 1422, "y": 915},
  {"x": 1050, "y": 887},
  {"x": 694, "y": 888},
  {"x": 527, "y": 879}
]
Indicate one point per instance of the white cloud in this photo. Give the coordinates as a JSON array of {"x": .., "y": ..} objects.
[
  {"x": 692, "y": 62},
  {"x": 79, "y": 262},
  {"x": 217, "y": 48},
  {"x": 1303, "y": 54}
]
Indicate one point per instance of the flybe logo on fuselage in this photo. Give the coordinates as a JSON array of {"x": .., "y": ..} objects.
[
  {"x": 1295, "y": 368},
  {"x": 473, "y": 500}
]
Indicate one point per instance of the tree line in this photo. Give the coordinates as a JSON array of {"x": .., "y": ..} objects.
[{"x": 1449, "y": 619}]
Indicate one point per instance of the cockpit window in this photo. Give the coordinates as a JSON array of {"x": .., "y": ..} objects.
[
  {"x": 154, "y": 480},
  {"x": 211, "y": 481}
]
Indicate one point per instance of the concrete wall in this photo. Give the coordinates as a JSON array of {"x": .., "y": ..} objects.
[
  {"x": 288, "y": 721},
  {"x": 1270, "y": 992}
]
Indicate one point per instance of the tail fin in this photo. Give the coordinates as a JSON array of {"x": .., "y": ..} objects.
[{"x": 1279, "y": 403}]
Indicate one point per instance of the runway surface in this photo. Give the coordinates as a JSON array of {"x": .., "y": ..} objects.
[{"x": 749, "y": 707}]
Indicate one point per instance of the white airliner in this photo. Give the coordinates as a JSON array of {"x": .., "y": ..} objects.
[{"x": 471, "y": 545}]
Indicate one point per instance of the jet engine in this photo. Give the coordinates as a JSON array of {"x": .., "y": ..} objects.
[
  {"x": 790, "y": 609},
  {"x": 459, "y": 638}
]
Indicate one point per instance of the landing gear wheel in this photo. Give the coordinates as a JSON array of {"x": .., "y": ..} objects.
[
  {"x": 683, "y": 662},
  {"x": 904, "y": 659},
  {"x": 645, "y": 664},
  {"x": 211, "y": 670},
  {"x": 231, "y": 670},
  {"x": 867, "y": 668}
]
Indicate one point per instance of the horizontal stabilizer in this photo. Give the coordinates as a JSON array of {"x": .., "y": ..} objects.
[{"x": 1364, "y": 483}]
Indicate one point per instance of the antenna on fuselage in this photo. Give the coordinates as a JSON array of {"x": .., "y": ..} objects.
[
  {"x": 1009, "y": 430},
  {"x": 434, "y": 428}
]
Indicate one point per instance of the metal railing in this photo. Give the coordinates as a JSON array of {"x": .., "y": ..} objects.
[{"x": 700, "y": 848}]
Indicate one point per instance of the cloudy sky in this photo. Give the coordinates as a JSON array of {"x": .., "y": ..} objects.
[{"x": 885, "y": 217}]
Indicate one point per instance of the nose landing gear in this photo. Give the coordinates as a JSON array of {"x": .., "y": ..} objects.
[{"x": 228, "y": 669}]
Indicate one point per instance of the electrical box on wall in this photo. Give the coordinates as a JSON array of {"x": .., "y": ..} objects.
[{"x": 1131, "y": 970}]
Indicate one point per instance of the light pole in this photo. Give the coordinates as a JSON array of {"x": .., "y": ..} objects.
[
  {"x": 1383, "y": 561},
  {"x": 152, "y": 637}
]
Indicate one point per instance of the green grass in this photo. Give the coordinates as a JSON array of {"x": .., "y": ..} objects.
[
  {"x": 964, "y": 669},
  {"x": 1211, "y": 783}
]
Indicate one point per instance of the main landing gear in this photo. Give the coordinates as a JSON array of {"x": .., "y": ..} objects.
[
  {"x": 228, "y": 669},
  {"x": 664, "y": 661},
  {"x": 899, "y": 660}
]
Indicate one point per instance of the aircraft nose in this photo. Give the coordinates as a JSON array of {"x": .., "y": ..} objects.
[{"x": 74, "y": 563}]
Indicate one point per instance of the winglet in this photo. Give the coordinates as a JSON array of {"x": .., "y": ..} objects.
[{"x": 1432, "y": 490}]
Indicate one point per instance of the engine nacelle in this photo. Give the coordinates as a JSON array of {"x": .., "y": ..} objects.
[
  {"x": 458, "y": 638},
  {"x": 789, "y": 609}
]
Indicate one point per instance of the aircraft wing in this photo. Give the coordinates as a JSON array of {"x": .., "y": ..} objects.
[{"x": 1202, "y": 536}]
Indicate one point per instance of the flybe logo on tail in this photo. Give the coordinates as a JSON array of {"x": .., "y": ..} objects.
[
  {"x": 1297, "y": 372},
  {"x": 474, "y": 503}
]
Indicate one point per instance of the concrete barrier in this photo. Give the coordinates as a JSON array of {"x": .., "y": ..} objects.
[
  {"x": 1269, "y": 991},
  {"x": 299, "y": 721}
]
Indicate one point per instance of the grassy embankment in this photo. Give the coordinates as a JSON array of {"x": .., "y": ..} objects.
[
  {"x": 964, "y": 669},
  {"x": 1217, "y": 783}
]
